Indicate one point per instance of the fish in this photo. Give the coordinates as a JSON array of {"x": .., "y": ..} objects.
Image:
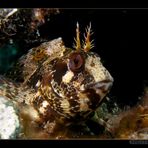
[{"x": 56, "y": 85}]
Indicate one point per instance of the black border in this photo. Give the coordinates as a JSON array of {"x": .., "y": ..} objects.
[
  {"x": 74, "y": 143},
  {"x": 69, "y": 4}
]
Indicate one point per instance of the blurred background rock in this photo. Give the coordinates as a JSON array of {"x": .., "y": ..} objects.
[{"x": 19, "y": 32}]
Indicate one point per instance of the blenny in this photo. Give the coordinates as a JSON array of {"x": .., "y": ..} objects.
[{"x": 53, "y": 86}]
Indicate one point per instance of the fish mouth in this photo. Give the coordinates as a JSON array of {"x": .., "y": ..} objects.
[
  {"x": 103, "y": 86},
  {"x": 97, "y": 91}
]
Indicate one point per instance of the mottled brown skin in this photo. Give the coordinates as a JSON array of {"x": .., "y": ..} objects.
[{"x": 58, "y": 86}]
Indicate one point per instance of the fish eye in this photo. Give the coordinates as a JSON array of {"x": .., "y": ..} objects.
[{"x": 76, "y": 62}]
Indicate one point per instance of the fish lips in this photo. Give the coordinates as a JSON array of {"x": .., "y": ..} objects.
[
  {"x": 103, "y": 86},
  {"x": 96, "y": 92}
]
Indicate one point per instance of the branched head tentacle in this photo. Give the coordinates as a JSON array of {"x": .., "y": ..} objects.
[
  {"x": 87, "y": 44},
  {"x": 77, "y": 44}
]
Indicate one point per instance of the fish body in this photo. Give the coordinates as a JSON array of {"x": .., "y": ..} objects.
[{"x": 55, "y": 84}]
